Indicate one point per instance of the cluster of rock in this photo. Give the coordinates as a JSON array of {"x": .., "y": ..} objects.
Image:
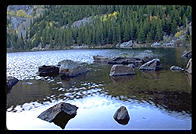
[
  {"x": 40, "y": 47},
  {"x": 62, "y": 112},
  {"x": 122, "y": 60},
  {"x": 65, "y": 68},
  {"x": 125, "y": 65}
]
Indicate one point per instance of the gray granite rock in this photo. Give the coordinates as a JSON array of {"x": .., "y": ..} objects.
[
  {"x": 122, "y": 115},
  {"x": 51, "y": 113}
]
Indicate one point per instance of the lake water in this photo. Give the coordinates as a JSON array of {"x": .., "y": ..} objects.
[{"x": 160, "y": 100}]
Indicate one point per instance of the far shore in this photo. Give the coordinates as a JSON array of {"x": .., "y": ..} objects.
[{"x": 108, "y": 46}]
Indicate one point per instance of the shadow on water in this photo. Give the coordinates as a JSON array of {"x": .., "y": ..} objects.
[{"x": 62, "y": 119}]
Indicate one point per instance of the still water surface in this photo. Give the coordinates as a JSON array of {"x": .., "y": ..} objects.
[{"x": 155, "y": 100}]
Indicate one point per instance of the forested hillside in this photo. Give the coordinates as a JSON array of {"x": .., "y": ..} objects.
[{"x": 60, "y": 26}]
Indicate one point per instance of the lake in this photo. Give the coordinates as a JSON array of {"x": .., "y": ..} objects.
[{"x": 160, "y": 100}]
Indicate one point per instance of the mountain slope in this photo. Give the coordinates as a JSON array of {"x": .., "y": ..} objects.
[{"x": 62, "y": 26}]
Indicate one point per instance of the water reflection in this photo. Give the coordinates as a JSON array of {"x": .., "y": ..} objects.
[
  {"x": 170, "y": 91},
  {"x": 62, "y": 119},
  {"x": 163, "y": 90},
  {"x": 117, "y": 79},
  {"x": 152, "y": 75},
  {"x": 189, "y": 79},
  {"x": 170, "y": 100}
]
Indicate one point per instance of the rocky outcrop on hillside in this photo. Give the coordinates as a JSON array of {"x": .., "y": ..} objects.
[
  {"x": 82, "y": 22},
  {"x": 21, "y": 23}
]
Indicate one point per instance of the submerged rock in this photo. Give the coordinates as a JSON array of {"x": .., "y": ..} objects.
[
  {"x": 119, "y": 70},
  {"x": 69, "y": 68},
  {"x": 189, "y": 66},
  {"x": 151, "y": 65},
  {"x": 61, "y": 108},
  {"x": 176, "y": 68},
  {"x": 101, "y": 59},
  {"x": 126, "y": 60},
  {"x": 11, "y": 81},
  {"x": 48, "y": 71},
  {"x": 122, "y": 115}
]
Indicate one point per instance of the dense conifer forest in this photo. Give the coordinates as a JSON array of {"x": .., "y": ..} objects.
[{"x": 94, "y": 25}]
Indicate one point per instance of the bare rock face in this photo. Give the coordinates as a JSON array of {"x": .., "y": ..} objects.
[
  {"x": 128, "y": 44},
  {"x": 189, "y": 66},
  {"x": 152, "y": 65},
  {"x": 122, "y": 115},
  {"x": 51, "y": 113},
  {"x": 69, "y": 68},
  {"x": 11, "y": 81},
  {"x": 119, "y": 70}
]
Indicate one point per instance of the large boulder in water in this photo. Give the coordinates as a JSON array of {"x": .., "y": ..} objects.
[
  {"x": 152, "y": 65},
  {"x": 101, "y": 59},
  {"x": 60, "y": 108},
  {"x": 48, "y": 71},
  {"x": 189, "y": 66},
  {"x": 69, "y": 68},
  {"x": 122, "y": 115},
  {"x": 11, "y": 81},
  {"x": 119, "y": 70}
]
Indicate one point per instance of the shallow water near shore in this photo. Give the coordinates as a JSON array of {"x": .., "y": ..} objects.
[{"x": 159, "y": 100}]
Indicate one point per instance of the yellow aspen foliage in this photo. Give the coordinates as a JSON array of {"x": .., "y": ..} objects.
[
  {"x": 110, "y": 16},
  {"x": 22, "y": 13},
  {"x": 12, "y": 13},
  {"x": 178, "y": 34}
]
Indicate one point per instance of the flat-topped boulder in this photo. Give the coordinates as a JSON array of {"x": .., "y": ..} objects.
[
  {"x": 122, "y": 115},
  {"x": 120, "y": 70},
  {"x": 101, "y": 59},
  {"x": 69, "y": 68},
  {"x": 60, "y": 108},
  {"x": 151, "y": 65},
  {"x": 48, "y": 70},
  {"x": 11, "y": 81}
]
